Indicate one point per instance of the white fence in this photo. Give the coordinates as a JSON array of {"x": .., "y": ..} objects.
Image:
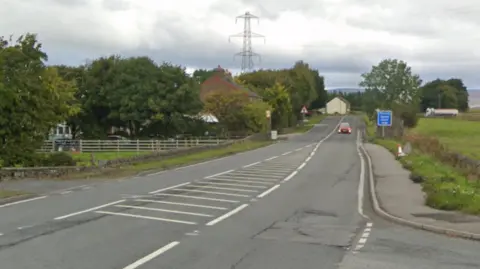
[{"x": 125, "y": 145}]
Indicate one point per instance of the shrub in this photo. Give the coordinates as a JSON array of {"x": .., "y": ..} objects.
[{"x": 58, "y": 159}]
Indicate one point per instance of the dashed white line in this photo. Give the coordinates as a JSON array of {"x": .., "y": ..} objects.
[
  {"x": 65, "y": 192},
  {"x": 152, "y": 255},
  {"x": 23, "y": 201},
  {"x": 301, "y": 166},
  {"x": 252, "y": 164},
  {"x": 286, "y": 153},
  {"x": 24, "y": 227},
  {"x": 197, "y": 197},
  {"x": 361, "y": 184},
  {"x": 308, "y": 159},
  {"x": 298, "y": 149},
  {"x": 222, "y": 173},
  {"x": 169, "y": 188},
  {"x": 1, "y": 234},
  {"x": 164, "y": 210},
  {"x": 145, "y": 217},
  {"x": 363, "y": 239},
  {"x": 215, "y": 192},
  {"x": 265, "y": 193},
  {"x": 181, "y": 204},
  {"x": 247, "y": 177},
  {"x": 227, "y": 215},
  {"x": 271, "y": 158},
  {"x": 154, "y": 174},
  {"x": 290, "y": 176},
  {"x": 88, "y": 210}
]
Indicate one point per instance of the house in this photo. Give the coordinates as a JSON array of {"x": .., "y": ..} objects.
[
  {"x": 338, "y": 105},
  {"x": 222, "y": 80}
]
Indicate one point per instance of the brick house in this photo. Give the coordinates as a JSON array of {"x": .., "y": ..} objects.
[{"x": 222, "y": 80}]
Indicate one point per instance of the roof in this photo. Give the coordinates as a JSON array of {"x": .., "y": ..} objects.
[
  {"x": 226, "y": 77},
  {"x": 341, "y": 98}
]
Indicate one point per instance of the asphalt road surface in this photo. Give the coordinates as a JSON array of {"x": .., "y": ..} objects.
[{"x": 296, "y": 204}]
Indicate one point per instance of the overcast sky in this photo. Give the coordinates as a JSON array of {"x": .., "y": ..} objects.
[{"x": 341, "y": 38}]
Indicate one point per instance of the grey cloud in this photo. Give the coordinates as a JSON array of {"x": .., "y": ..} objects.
[{"x": 116, "y": 5}]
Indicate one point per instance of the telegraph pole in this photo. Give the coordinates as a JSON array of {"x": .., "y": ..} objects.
[{"x": 247, "y": 53}]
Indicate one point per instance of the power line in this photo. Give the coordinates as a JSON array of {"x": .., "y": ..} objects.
[{"x": 247, "y": 53}]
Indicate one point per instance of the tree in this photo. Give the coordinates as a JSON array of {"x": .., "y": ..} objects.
[
  {"x": 33, "y": 99},
  {"x": 228, "y": 108},
  {"x": 278, "y": 98},
  {"x": 388, "y": 83},
  {"x": 200, "y": 75},
  {"x": 440, "y": 93}
]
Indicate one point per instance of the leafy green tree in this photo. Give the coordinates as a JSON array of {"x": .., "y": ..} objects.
[
  {"x": 200, "y": 75},
  {"x": 440, "y": 93},
  {"x": 278, "y": 98},
  {"x": 33, "y": 99},
  {"x": 389, "y": 83}
]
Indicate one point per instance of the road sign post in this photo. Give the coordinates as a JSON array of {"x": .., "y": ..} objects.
[
  {"x": 303, "y": 112},
  {"x": 384, "y": 118}
]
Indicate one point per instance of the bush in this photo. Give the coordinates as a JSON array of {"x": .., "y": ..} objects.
[
  {"x": 410, "y": 118},
  {"x": 60, "y": 159}
]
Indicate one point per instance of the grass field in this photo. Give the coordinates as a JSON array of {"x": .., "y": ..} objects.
[
  {"x": 83, "y": 158},
  {"x": 458, "y": 135},
  {"x": 7, "y": 193}
]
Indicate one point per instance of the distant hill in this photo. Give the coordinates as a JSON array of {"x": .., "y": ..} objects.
[{"x": 345, "y": 90}]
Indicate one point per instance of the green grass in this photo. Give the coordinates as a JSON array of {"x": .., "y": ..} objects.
[
  {"x": 308, "y": 125},
  {"x": 460, "y": 136},
  {"x": 446, "y": 187},
  {"x": 9, "y": 194},
  {"x": 83, "y": 158},
  {"x": 175, "y": 161}
]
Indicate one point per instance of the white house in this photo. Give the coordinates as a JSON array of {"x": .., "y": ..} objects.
[{"x": 338, "y": 105}]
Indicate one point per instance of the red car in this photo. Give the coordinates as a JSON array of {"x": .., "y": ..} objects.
[{"x": 344, "y": 128}]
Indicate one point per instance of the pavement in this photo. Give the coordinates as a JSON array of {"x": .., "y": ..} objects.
[{"x": 301, "y": 203}]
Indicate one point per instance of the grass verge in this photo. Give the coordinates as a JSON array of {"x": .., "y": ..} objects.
[
  {"x": 84, "y": 158},
  {"x": 9, "y": 194},
  {"x": 174, "y": 162},
  {"x": 308, "y": 125},
  {"x": 446, "y": 188}
]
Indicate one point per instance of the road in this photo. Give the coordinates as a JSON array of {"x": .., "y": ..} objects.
[{"x": 295, "y": 204}]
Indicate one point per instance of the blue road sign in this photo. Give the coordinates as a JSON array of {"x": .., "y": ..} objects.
[{"x": 384, "y": 118}]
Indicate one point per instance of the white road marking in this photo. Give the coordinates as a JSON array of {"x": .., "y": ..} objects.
[
  {"x": 24, "y": 227},
  {"x": 231, "y": 184},
  {"x": 227, "y": 215},
  {"x": 272, "y": 170},
  {"x": 164, "y": 210},
  {"x": 265, "y": 193},
  {"x": 221, "y": 188},
  {"x": 154, "y": 174},
  {"x": 86, "y": 188},
  {"x": 194, "y": 233},
  {"x": 309, "y": 146},
  {"x": 152, "y": 256},
  {"x": 1, "y": 234},
  {"x": 301, "y": 166},
  {"x": 361, "y": 184},
  {"x": 286, "y": 153},
  {"x": 298, "y": 149},
  {"x": 216, "y": 193},
  {"x": 88, "y": 210},
  {"x": 271, "y": 158},
  {"x": 364, "y": 237},
  {"x": 65, "y": 192},
  {"x": 169, "y": 188},
  {"x": 253, "y": 174},
  {"x": 252, "y": 164},
  {"x": 198, "y": 197},
  {"x": 145, "y": 217},
  {"x": 268, "y": 182},
  {"x": 181, "y": 204},
  {"x": 308, "y": 159},
  {"x": 23, "y": 201},
  {"x": 290, "y": 176},
  {"x": 247, "y": 177},
  {"x": 222, "y": 173}
]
